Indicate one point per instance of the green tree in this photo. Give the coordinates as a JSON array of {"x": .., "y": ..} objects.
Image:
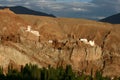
[
  {"x": 35, "y": 72},
  {"x": 2, "y": 76},
  {"x": 98, "y": 75},
  {"x": 43, "y": 73},
  {"x": 69, "y": 75},
  {"x": 32, "y": 72},
  {"x": 13, "y": 74},
  {"x": 61, "y": 72}
]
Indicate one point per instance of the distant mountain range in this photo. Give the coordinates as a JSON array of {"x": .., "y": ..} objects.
[
  {"x": 24, "y": 10},
  {"x": 114, "y": 19}
]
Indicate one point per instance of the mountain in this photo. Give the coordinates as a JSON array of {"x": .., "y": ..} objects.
[
  {"x": 114, "y": 19},
  {"x": 24, "y": 10},
  {"x": 59, "y": 43}
]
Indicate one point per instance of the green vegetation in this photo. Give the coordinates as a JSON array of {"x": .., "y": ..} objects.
[{"x": 32, "y": 72}]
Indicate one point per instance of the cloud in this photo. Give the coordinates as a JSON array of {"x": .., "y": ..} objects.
[
  {"x": 79, "y": 9},
  {"x": 105, "y": 7},
  {"x": 100, "y": 17}
]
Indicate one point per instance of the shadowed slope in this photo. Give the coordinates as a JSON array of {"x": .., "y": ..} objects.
[
  {"x": 114, "y": 19},
  {"x": 24, "y": 10}
]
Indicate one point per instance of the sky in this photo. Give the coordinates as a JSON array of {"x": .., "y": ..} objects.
[{"x": 89, "y": 9}]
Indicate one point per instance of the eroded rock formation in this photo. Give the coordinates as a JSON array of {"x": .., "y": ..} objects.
[{"x": 20, "y": 47}]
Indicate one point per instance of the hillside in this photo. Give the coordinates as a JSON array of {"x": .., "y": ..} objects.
[
  {"x": 114, "y": 19},
  {"x": 24, "y": 10},
  {"x": 59, "y": 43}
]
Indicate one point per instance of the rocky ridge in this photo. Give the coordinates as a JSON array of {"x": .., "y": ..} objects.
[{"x": 59, "y": 43}]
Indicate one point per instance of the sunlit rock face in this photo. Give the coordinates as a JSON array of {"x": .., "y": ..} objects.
[{"x": 86, "y": 45}]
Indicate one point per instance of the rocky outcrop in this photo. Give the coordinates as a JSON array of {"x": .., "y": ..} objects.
[
  {"x": 59, "y": 43},
  {"x": 6, "y": 10}
]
